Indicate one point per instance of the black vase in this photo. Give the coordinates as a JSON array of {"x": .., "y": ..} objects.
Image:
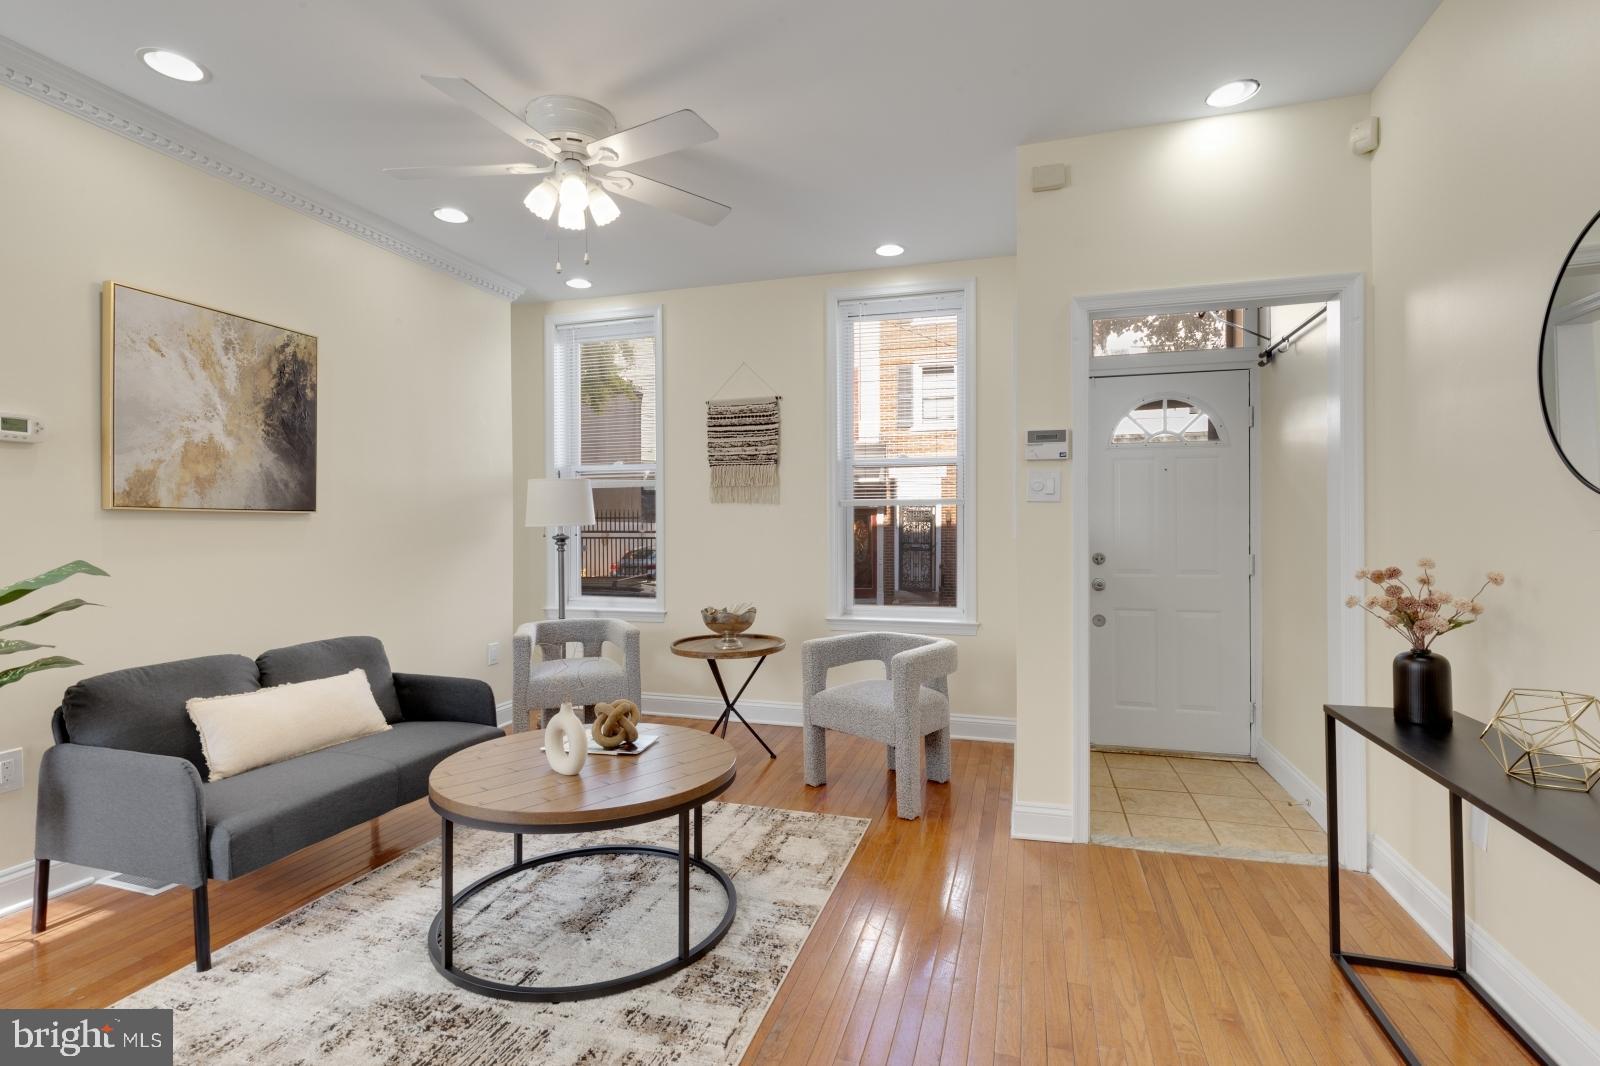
[{"x": 1422, "y": 690}]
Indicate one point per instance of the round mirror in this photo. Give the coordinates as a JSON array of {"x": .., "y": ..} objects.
[{"x": 1569, "y": 359}]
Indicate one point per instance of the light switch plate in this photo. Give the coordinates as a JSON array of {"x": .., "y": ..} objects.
[
  {"x": 10, "y": 770},
  {"x": 494, "y": 653},
  {"x": 1478, "y": 827},
  {"x": 1044, "y": 487}
]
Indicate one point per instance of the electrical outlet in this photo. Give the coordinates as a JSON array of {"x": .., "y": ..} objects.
[
  {"x": 10, "y": 770},
  {"x": 494, "y": 653}
]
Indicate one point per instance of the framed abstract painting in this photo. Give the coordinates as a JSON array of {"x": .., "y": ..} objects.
[{"x": 202, "y": 410}]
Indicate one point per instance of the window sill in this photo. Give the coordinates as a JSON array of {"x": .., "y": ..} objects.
[
  {"x": 893, "y": 623},
  {"x": 626, "y": 614}
]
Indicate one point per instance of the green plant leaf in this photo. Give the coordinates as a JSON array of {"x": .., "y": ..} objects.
[
  {"x": 11, "y": 647},
  {"x": 17, "y": 673},
  {"x": 69, "y": 605},
  {"x": 49, "y": 577}
]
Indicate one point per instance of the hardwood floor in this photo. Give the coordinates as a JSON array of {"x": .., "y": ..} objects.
[{"x": 945, "y": 942}]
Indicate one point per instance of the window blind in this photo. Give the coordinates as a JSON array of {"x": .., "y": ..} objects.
[{"x": 606, "y": 390}]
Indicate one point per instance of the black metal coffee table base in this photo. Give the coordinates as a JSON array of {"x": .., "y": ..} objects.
[{"x": 441, "y": 934}]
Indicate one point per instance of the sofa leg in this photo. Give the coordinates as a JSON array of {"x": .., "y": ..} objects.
[
  {"x": 41, "y": 893},
  {"x": 202, "y": 931}
]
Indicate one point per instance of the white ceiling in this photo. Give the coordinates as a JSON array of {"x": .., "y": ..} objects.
[{"x": 842, "y": 125}]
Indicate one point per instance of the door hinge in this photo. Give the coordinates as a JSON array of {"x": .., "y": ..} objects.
[
  {"x": 1252, "y": 564},
  {"x": 1252, "y": 712}
]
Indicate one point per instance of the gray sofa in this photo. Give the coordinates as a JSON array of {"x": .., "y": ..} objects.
[{"x": 124, "y": 787}]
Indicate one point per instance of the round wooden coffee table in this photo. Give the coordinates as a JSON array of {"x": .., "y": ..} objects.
[
  {"x": 709, "y": 647},
  {"x": 506, "y": 785}
]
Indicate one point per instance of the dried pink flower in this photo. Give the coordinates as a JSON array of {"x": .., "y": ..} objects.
[
  {"x": 1427, "y": 563},
  {"x": 1475, "y": 608},
  {"x": 1352, "y": 601},
  {"x": 1393, "y": 590},
  {"x": 1363, "y": 574},
  {"x": 1496, "y": 578},
  {"x": 1393, "y": 572}
]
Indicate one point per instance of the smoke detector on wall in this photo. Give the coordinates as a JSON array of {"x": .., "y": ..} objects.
[{"x": 1364, "y": 136}]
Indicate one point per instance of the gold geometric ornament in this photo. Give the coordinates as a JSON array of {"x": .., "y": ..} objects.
[{"x": 1547, "y": 738}]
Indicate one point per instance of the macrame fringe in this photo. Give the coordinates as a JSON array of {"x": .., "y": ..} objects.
[{"x": 745, "y": 484}]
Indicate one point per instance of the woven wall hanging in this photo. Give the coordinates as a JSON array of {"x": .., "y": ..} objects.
[{"x": 742, "y": 448}]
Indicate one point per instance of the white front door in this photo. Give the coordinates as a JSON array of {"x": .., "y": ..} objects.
[{"x": 1169, "y": 537}]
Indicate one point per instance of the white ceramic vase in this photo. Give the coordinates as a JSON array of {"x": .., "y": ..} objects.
[{"x": 566, "y": 741}]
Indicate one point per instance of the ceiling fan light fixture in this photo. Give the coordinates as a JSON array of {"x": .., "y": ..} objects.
[
  {"x": 542, "y": 200},
  {"x": 571, "y": 217},
  {"x": 602, "y": 206},
  {"x": 574, "y": 196},
  {"x": 1233, "y": 93}
]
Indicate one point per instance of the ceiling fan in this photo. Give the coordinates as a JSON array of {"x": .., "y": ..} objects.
[{"x": 582, "y": 152}]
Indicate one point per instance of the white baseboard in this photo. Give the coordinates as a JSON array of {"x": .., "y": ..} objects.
[
  {"x": 775, "y": 712},
  {"x": 1559, "y": 1029},
  {"x": 1042, "y": 821},
  {"x": 502, "y": 714},
  {"x": 16, "y": 883},
  {"x": 1300, "y": 787}
]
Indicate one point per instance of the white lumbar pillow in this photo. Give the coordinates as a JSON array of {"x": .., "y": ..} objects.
[{"x": 251, "y": 729}]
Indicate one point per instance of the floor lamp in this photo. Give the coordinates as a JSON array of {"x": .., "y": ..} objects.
[{"x": 556, "y": 503}]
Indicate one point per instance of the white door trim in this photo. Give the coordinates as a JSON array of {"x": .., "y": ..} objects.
[{"x": 1346, "y": 510}]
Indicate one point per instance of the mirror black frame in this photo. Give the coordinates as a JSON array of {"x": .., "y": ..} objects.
[{"x": 1544, "y": 333}]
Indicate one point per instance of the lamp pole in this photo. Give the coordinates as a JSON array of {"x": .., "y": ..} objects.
[{"x": 560, "y": 537}]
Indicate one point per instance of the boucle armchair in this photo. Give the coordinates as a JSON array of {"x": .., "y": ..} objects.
[
  {"x": 556, "y": 679},
  {"x": 909, "y": 711}
]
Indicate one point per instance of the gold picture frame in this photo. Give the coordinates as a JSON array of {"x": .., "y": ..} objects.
[{"x": 204, "y": 410}]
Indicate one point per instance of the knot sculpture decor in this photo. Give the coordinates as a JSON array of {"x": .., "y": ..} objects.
[
  {"x": 616, "y": 725},
  {"x": 1547, "y": 738},
  {"x": 566, "y": 744}
]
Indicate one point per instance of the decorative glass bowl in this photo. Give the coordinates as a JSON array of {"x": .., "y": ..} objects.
[{"x": 728, "y": 624}]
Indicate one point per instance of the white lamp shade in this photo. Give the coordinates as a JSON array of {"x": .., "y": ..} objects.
[{"x": 560, "y": 501}]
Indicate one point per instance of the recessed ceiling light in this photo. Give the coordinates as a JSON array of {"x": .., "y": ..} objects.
[
  {"x": 889, "y": 249},
  {"x": 172, "y": 65},
  {"x": 450, "y": 214},
  {"x": 578, "y": 283},
  {"x": 1235, "y": 92}
]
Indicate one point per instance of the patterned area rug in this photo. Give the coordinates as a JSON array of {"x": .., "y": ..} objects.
[{"x": 347, "y": 978}]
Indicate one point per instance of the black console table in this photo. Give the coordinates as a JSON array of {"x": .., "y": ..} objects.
[{"x": 1565, "y": 824}]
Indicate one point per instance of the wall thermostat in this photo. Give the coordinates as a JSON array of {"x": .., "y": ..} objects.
[
  {"x": 1048, "y": 444},
  {"x": 20, "y": 429},
  {"x": 1364, "y": 136}
]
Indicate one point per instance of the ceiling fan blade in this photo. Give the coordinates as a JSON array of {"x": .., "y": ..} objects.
[
  {"x": 667, "y": 197},
  {"x": 490, "y": 110},
  {"x": 482, "y": 170},
  {"x": 669, "y": 133}
]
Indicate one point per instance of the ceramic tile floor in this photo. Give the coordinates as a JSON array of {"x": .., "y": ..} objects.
[{"x": 1178, "y": 800}]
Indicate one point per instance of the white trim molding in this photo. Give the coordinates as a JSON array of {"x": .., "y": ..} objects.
[
  {"x": 1301, "y": 788},
  {"x": 1558, "y": 1028},
  {"x": 1346, "y": 505},
  {"x": 777, "y": 712},
  {"x": 1042, "y": 821},
  {"x": 41, "y": 78},
  {"x": 16, "y": 883}
]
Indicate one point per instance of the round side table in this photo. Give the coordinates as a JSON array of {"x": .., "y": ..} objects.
[{"x": 755, "y": 646}]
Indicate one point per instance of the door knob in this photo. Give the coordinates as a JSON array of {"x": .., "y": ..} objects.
[
  {"x": 1098, "y": 584},
  {"x": 1099, "y": 619},
  {"x": 1098, "y": 558}
]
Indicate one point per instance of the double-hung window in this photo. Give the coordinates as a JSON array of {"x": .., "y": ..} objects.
[
  {"x": 604, "y": 374},
  {"x": 901, "y": 480}
]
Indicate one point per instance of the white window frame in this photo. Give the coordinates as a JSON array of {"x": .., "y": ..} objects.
[
  {"x": 633, "y": 609},
  {"x": 920, "y": 424},
  {"x": 843, "y": 612}
]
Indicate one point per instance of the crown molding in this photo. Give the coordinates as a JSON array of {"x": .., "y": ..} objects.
[{"x": 44, "y": 79}]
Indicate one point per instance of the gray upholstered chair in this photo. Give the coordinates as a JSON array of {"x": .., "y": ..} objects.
[
  {"x": 555, "y": 678},
  {"x": 909, "y": 710}
]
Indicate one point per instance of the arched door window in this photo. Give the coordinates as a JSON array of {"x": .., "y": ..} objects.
[{"x": 1168, "y": 420}]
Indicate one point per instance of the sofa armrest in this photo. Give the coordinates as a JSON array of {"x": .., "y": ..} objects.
[
  {"x": 430, "y": 698},
  {"x": 127, "y": 811}
]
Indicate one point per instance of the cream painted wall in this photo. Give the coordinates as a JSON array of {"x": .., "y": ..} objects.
[
  {"x": 412, "y": 538},
  {"x": 776, "y": 556},
  {"x": 1488, "y": 170},
  {"x": 1263, "y": 194},
  {"x": 1292, "y": 422}
]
